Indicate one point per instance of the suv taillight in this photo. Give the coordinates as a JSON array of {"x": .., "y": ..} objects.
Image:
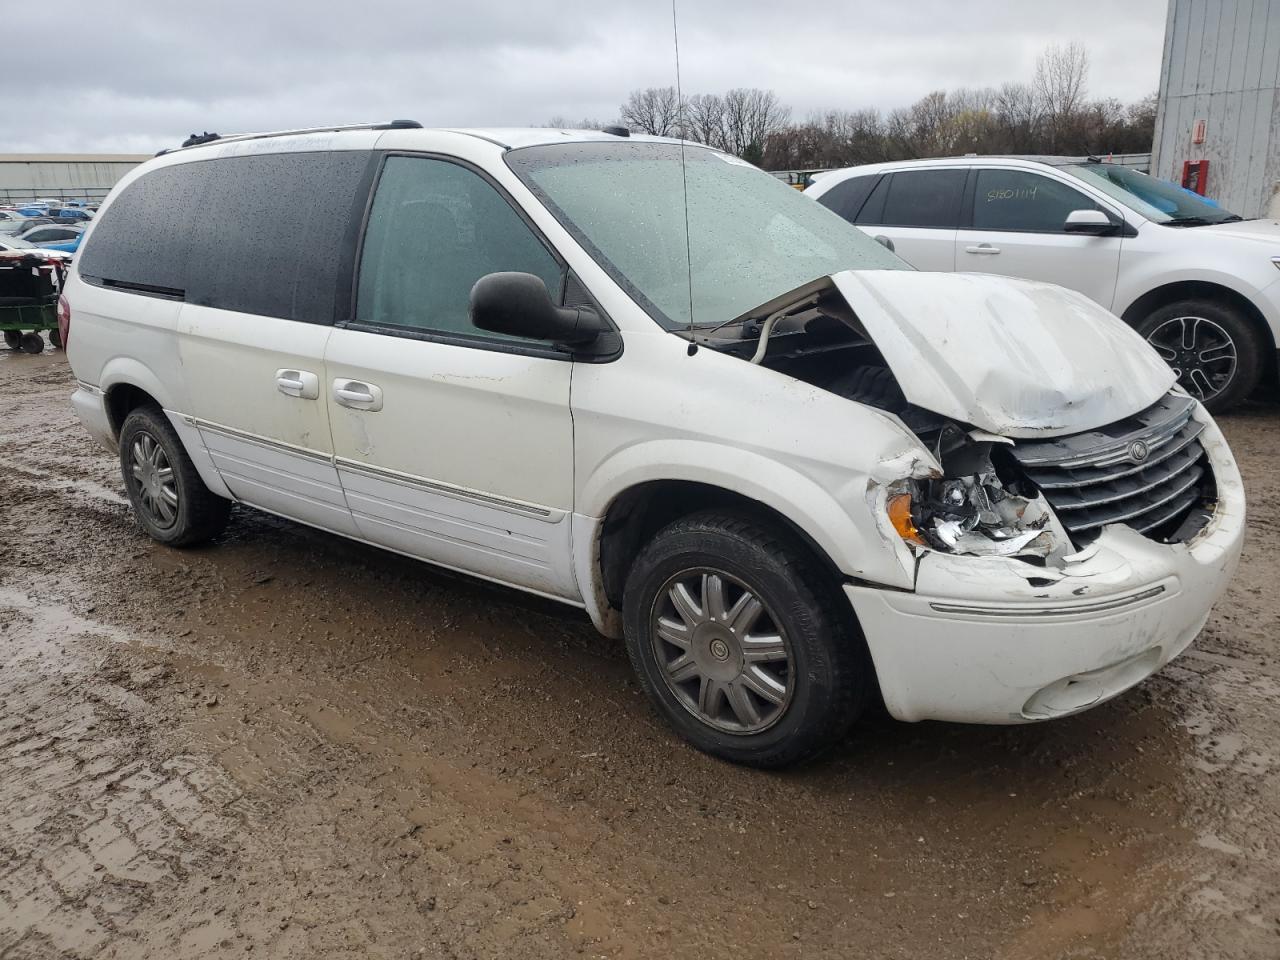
[{"x": 64, "y": 321}]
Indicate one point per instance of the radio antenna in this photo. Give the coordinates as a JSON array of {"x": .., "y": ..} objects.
[{"x": 684, "y": 180}]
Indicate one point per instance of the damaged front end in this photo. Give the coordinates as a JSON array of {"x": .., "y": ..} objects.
[{"x": 978, "y": 506}]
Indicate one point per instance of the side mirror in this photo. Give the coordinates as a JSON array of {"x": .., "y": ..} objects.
[
  {"x": 1093, "y": 222},
  {"x": 518, "y": 305},
  {"x": 886, "y": 242}
]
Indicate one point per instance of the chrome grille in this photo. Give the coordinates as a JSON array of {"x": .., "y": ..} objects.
[{"x": 1148, "y": 471}]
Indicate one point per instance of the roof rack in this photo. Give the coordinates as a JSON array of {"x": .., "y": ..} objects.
[{"x": 199, "y": 140}]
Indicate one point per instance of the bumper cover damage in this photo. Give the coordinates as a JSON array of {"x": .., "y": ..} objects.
[{"x": 993, "y": 639}]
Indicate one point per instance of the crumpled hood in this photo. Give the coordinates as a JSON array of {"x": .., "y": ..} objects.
[{"x": 1014, "y": 357}]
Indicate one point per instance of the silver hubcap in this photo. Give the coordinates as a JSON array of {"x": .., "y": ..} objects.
[
  {"x": 1201, "y": 352},
  {"x": 721, "y": 652},
  {"x": 157, "y": 493}
]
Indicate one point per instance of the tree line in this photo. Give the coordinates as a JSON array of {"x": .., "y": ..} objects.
[{"x": 1050, "y": 114}]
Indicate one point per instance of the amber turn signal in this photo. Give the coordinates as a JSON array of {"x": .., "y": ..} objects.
[{"x": 899, "y": 509}]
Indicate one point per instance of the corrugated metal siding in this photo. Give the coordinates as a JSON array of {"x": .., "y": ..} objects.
[
  {"x": 1222, "y": 65},
  {"x": 24, "y": 177}
]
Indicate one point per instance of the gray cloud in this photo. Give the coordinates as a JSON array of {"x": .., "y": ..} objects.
[{"x": 149, "y": 72}]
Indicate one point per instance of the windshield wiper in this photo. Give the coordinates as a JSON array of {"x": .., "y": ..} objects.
[{"x": 1188, "y": 222}]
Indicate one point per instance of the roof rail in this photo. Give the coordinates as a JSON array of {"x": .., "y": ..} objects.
[{"x": 196, "y": 141}]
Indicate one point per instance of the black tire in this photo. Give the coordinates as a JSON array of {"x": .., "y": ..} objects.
[
  {"x": 198, "y": 514},
  {"x": 55, "y": 338},
  {"x": 32, "y": 343},
  {"x": 828, "y": 673},
  {"x": 13, "y": 339},
  {"x": 1220, "y": 383}
]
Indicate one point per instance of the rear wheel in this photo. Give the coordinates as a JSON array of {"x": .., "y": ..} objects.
[
  {"x": 169, "y": 499},
  {"x": 32, "y": 342},
  {"x": 742, "y": 642},
  {"x": 13, "y": 339},
  {"x": 1214, "y": 349},
  {"x": 55, "y": 338}
]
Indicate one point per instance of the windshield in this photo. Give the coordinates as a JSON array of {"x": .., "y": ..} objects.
[
  {"x": 751, "y": 236},
  {"x": 1157, "y": 200}
]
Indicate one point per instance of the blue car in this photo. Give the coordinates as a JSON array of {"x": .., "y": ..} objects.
[{"x": 54, "y": 236}]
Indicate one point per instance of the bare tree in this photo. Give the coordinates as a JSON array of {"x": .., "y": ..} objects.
[
  {"x": 705, "y": 113},
  {"x": 1051, "y": 114},
  {"x": 1059, "y": 85},
  {"x": 654, "y": 110}
]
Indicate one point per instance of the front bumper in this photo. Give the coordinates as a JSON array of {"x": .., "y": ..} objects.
[{"x": 993, "y": 640}]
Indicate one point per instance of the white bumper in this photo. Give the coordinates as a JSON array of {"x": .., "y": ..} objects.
[
  {"x": 980, "y": 640},
  {"x": 90, "y": 405}
]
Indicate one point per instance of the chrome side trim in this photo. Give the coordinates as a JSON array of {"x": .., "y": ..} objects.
[
  {"x": 461, "y": 493},
  {"x": 1116, "y": 603},
  {"x": 234, "y": 434}
]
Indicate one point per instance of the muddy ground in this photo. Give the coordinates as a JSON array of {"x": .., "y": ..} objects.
[{"x": 291, "y": 745}]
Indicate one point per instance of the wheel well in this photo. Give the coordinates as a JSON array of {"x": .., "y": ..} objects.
[
  {"x": 122, "y": 399},
  {"x": 638, "y": 513},
  {"x": 1196, "y": 290}
]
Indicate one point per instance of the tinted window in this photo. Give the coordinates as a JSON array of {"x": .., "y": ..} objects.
[
  {"x": 434, "y": 230},
  {"x": 277, "y": 233},
  {"x": 924, "y": 198},
  {"x": 1021, "y": 201},
  {"x": 847, "y": 197},
  {"x": 143, "y": 237},
  {"x": 271, "y": 234}
]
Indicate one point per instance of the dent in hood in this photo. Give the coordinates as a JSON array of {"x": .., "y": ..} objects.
[{"x": 1017, "y": 358}]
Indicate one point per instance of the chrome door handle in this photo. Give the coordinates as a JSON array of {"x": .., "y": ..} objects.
[
  {"x": 298, "y": 383},
  {"x": 982, "y": 248},
  {"x": 357, "y": 395}
]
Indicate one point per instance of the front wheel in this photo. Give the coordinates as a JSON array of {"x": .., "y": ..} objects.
[
  {"x": 1214, "y": 349},
  {"x": 32, "y": 342},
  {"x": 742, "y": 642},
  {"x": 169, "y": 499}
]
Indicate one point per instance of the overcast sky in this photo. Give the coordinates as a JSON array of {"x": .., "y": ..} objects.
[{"x": 137, "y": 75}]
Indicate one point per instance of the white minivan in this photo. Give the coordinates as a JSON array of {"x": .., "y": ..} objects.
[
  {"x": 1199, "y": 282},
  {"x": 648, "y": 380}
]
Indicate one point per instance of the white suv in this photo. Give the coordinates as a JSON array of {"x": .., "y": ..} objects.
[
  {"x": 795, "y": 477},
  {"x": 1200, "y": 283}
]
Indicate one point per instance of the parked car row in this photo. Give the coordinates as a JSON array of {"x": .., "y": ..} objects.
[
  {"x": 48, "y": 232},
  {"x": 648, "y": 380},
  {"x": 1200, "y": 283}
]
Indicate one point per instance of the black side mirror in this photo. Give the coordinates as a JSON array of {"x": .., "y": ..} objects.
[{"x": 518, "y": 305}]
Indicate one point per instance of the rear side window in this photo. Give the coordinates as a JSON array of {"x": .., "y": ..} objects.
[
  {"x": 924, "y": 198},
  {"x": 269, "y": 234},
  {"x": 847, "y": 197},
  {"x": 1017, "y": 200},
  {"x": 142, "y": 240},
  {"x": 278, "y": 237},
  {"x": 435, "y": 228}
]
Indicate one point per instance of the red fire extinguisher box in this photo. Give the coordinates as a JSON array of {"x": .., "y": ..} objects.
[{"x": 1195, "y": 175}]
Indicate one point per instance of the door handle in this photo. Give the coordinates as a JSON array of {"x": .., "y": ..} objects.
[
  {"x": 298, "y": 383},
  {"x": 986, "y": 248},
  {"x": 357, "y": 395}
]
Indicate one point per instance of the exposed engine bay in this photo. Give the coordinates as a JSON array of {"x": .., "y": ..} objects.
[{"x": 986, "y": 502}]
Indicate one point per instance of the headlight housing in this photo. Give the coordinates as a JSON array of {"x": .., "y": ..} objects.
[{"x": 973, "y": 509}]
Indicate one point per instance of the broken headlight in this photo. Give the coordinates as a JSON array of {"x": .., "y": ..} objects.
[{"x": 974, "y": 508}]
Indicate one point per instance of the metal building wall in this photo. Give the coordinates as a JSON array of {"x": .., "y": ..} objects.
[
  {"x": 27, "y": 176},
  {"x": 1222, "y": 65}
]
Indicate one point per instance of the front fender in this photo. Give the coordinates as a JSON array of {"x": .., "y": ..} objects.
[{"x": 835, "y": 509}]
